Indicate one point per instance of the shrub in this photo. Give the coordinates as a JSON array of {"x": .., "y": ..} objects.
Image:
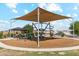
[{"x": 1, "y": 35}]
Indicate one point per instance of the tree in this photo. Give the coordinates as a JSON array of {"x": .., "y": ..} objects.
[
  {"x": 29, "y": 28},
  {"x": 76, "y": 27},
  {"x": 60, "y": 33}
]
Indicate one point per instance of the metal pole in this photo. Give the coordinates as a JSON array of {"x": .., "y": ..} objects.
[
  {"x": 33, "y": 30},
  {"x": 49, "y": 29},
  {"x": 10, "y": 28},
  {"x": 41, "y": 25},
  {"x": 73, "y": 28},
  {"x": 41, "y": 30},
  {"x": 38, "y": 26}
]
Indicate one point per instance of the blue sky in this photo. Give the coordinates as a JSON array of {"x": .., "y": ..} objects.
[{"x": 13, "y": 10}]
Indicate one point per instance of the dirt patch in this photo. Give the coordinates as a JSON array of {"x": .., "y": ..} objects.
[{"x": 52, "y": 43}]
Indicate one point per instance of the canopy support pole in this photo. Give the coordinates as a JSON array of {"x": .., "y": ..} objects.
[{"x": 38, "y": 27}]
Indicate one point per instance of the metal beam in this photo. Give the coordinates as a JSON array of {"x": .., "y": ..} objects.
[
  {"x": 46, "y": 27},
  {"x": 34, "y": 26},
  {"x": 50, "y": 29}
]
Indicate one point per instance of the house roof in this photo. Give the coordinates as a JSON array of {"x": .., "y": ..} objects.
[{"x": 18, "y": 29}]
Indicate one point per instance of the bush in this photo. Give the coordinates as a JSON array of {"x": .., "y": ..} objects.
[
  {"x": 61, "y": 34},
  {"x": 1, "y": 35}
]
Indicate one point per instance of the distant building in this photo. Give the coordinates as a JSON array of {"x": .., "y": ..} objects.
[{"x": 13, "y": 32}]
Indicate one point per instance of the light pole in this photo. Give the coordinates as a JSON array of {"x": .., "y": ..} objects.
[
  {"x": 73, "y": 32},
  {"x": 73, "y": 28},
  {"x": 3, "y": 28},
  {"x": 11, "y": 22}
]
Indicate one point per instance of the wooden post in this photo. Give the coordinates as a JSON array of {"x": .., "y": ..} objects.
[{"x": 38, "y": 27}]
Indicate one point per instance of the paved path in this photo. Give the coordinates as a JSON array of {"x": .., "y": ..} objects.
[{"x": 37, "y": 49}]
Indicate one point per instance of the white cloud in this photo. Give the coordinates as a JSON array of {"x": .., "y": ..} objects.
[
  {"x": 26, "y": 11},
  {"x": 3, "y": 22},
  {"x": 69, "y": 15},
  {"x": 68, "y": 21},
  {"x": 75, "y": 8},
  {"x": 14, "y": 10},
  {"x": 12, "y": 6},
  {"x": 77, "y": 4},
  {"x": 54, "y": 7},
  {"x": 32, "y": 5},
  {"x": 53, "y": 23},
  {"x": 75, "y": 15},
  {"x": 50, "y": 6},
  {"x": 42, "y": 5},
  {"x": 72, "y": 15}
]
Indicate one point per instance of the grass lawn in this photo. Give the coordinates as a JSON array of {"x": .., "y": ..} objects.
[
  {"x": 60, "y": 53},
  {"x": 22, "y": 43},
  {"x": 7, "y": 52}
]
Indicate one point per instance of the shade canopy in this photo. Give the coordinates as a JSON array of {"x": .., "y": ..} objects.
[{"x": 44, "y": 16}]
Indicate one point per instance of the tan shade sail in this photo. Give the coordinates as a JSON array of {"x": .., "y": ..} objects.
[{"x": 44, "y": 16}]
